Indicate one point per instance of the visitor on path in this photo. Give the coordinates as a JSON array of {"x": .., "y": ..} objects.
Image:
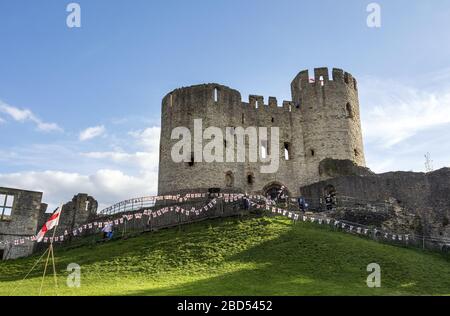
[
  {"x": 107, "y": 231},
  {"x": 329, "y": 202},
  {"x": 302, "y": 204},
  {"x": 246, "y": 202}
]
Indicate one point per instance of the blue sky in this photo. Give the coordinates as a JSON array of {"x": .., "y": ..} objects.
[{"x": 80, "y": 108}]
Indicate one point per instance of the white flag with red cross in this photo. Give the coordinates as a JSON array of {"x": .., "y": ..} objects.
[{"x": 52, "y": 222}]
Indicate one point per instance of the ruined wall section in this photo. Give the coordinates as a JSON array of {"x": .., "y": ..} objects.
[
  {"x": 74, "y": 213},
  {"x": 423, "y": 197},
  {"x": 22, "y": 223}
]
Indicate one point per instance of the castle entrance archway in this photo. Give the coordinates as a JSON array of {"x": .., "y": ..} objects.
[{"x": 276, "y": 191}]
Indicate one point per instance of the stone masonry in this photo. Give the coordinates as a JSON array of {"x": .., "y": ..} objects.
[
  {"x": 415, "y": 202},
  {"x": 22, "y": 222},
  {"x": 322, "y": 121}
]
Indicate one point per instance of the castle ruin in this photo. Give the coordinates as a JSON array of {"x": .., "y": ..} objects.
[{"x": 322, "y": 121}]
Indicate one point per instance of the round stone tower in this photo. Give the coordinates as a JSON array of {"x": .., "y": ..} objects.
[
  {"x": 330, "y": 117},
  {"x": 215, "y": 105}
]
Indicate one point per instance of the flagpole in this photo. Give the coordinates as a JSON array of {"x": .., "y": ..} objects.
[{"x": 50, "y": 252}]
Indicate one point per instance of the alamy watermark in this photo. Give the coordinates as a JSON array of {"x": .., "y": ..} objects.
[
  {"x": 374, "y": 278},
  {"x": 74, "y": 277},
  {"x": 74, "y": 17},
  {"x": 374, "y": 17},
  {"x": 230, "y": 147}
]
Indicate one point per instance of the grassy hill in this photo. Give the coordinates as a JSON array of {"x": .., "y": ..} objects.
[{"x": 254, "y": 256}]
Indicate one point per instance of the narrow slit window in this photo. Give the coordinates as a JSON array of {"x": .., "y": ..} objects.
[
  {"x": 264, "y": 151},
  {"x": 250, "y": 179},
  {"x": 191, "y": 163},
  {"x": 322, "y": 81},
  {"x": 286, "y": 151},
  {"x": 216, "y": 95}
]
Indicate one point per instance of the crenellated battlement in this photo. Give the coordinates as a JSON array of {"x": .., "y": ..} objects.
[
  {"x": 322, "y": 77},
  {"x": 214, "y": 94}
]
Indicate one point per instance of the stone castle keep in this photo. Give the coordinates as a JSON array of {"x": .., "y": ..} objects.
[{"x": 322, "y": 121}]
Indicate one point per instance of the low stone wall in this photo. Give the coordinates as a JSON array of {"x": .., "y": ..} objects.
[{"x": 419, "y": 202}]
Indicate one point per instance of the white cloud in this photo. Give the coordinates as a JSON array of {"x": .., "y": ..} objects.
[
  {"x": 148, "y": 138},
  {"x": 147, "y": 158},
  {"x": 109, "y": 176},
  {"x": 92, "y": 132},
  {"x": 107, "y": 186},
  {"x": 24, "y": 115},
  {"x": 402, "y": 122},
  {"x": 392, "y": 112}
]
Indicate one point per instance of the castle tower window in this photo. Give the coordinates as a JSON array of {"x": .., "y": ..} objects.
[
  {"x": 322, "y": 81},
  {"x": 286, "y": 151},
  {"x": 349, "y": 110},
  {"x": 250, "y": 179},
  {"x": 313, "y": 152},
  {"x": 243, "y": 118},
  {"x": 264, "y": 151},
  {"x": 191, "y": 162},
  {"x": 229, "y": 179},
  {"x": 170, "y": 100},
  {"x": 216, "y": 95},
  {"x": 273, "y": 120},
  {"x": 6, "y": 206}
]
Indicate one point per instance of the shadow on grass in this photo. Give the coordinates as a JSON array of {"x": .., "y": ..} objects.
[
  {"x": 299, "y": 260},
  {"x": 310, "y": 261}
]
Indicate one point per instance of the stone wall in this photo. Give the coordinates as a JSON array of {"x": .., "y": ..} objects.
[
  {"x": 26, "y": 211},
  {"x": 75, "y": 213},
  {"x": 417, "y": 202},
  {"x": 322, "y": 121}
]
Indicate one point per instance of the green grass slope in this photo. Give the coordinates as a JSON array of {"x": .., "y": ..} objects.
[{"x": 254, "y": 256}]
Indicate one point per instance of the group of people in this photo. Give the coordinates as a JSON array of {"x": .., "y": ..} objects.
[{"x": 303, "y": 205}]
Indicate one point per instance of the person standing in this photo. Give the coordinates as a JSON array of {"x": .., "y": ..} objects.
[{"x": 107, "y": 231}]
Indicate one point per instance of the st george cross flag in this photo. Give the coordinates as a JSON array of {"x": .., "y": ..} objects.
[{"x": 52, "y": 222}]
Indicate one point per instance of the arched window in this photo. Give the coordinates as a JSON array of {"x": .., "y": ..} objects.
[
  {"x": 250, "y": 178},
  {"x": 229, "y": 179},
  {"x": 312, "y": 152},
  {"x": 349, "y": 110}
]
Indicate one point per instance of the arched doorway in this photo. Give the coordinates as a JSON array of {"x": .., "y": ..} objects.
[
  {"x": 277, "y": 192},
  {"x": 329, "y": 194}
]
